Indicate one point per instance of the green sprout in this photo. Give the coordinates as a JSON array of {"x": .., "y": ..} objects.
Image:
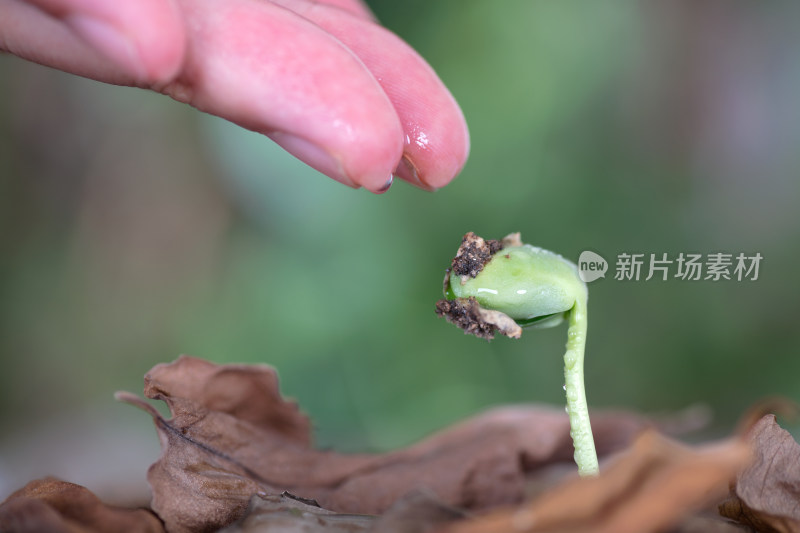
[{"x": 504, "y": 286}]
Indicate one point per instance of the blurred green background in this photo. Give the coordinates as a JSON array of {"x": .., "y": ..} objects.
[{"x": 135, "y": 229}]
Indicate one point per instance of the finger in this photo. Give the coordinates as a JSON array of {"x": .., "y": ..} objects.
[
  {"x": 271, "y": 71},
  {"x": 435, "y": 132},
  {"x": 127, "y": 43}
]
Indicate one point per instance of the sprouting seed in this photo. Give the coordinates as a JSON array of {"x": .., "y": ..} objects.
[{"x": 504, "y": 286}]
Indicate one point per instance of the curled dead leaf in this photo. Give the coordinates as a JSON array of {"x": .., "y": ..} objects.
[
  {"x": 232, "y": 436},
  {"x": 233, "y": 446},
  {"x": 651, "y": 487},
  {"x": 766, "y": 495},
  {"x": 417, "y": 512},
  {"x": 285, "y": 513},
  {"x": 55, "y": 506}
]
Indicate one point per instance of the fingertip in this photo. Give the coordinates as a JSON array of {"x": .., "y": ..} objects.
[
  {"x": 385, "y": 187},
  {"x": 355, "y": 170},
  {"x": 434, "y": 131},
  {"x": 446, "y": 156},
  {"x": 372, "y": 165},
  {"x": 364, "y": 157},
  {"x": 315, "y": 156},
  {"x": 435, "y": 155},
  {"x": 408, "y": 172}
]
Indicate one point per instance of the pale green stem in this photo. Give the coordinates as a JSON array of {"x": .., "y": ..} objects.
[{"x": 580, "y": 427}]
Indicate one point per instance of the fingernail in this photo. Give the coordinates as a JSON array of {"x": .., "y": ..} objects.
[
  {"x": 407, "y": 171},
  {"x": 109, "y": 41},
  {"x": 385, "y": 186},
  {"x": 314, "y": 156}
]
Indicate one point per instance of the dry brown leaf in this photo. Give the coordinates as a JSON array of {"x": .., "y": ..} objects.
[
  {"x": 649, "y": 488},
  {"x": 767, "y": 494},
  {"x": 418, "y": 512},
  {"x": 55, "y": 506},
  {"x": 284, "y": 513},
  {"x": 232, "y": 436},
  {"x": 709, "y": 523}
]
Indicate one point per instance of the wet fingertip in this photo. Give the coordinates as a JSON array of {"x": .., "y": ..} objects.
[
  {"x": 385, "y": 187},
  {"x": 314, "y": 156},
  {"x": 409, "y": 172}
]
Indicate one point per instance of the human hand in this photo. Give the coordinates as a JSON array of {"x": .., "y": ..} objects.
[{"x": 323, "y": 80}]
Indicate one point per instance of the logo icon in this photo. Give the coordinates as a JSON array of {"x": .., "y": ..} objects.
[{"x": 591, "y": 266}]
